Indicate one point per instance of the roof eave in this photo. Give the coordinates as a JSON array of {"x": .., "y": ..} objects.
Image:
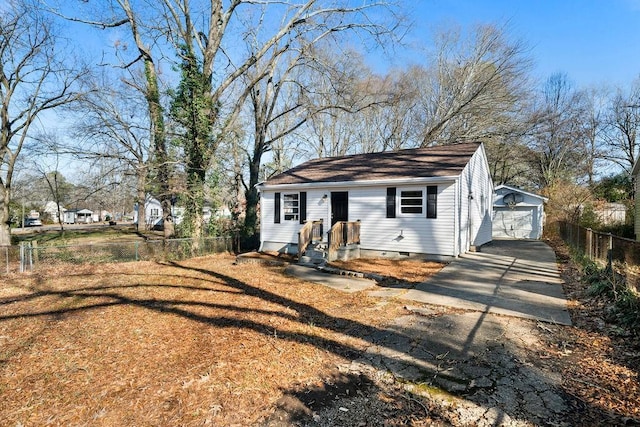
[{"x": 360, "y": 183}]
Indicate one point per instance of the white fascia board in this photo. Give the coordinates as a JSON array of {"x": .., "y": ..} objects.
[
  {"x": 518, "y": 190},
  {"x": 518, "y": 205},
  {"x": 364, "y": 183}
]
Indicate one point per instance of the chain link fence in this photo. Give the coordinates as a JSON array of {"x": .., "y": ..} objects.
[
  {"x": 30, "y": 256},
  {"x": 618, "y": 253}
]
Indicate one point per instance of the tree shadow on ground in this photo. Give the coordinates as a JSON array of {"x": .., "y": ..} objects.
[{"x": 412, "y": 351}]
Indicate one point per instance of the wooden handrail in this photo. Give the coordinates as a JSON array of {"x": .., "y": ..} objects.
[
  {"x": 343, "y": 233},
  {"x": 310, "y": 231}
]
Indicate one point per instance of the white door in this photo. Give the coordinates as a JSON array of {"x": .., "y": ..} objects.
[{"x": 516, "y": 223}]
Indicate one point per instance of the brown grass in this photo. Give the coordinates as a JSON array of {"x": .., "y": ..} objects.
[{"x": 193, "y": 343}]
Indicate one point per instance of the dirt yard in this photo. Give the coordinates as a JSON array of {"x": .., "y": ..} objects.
[
  {"x": 208, "y": 342},
  {"x": 190, "y": 343}
]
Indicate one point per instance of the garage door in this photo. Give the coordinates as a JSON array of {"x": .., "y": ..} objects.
[{"x": 518, "y": 223}]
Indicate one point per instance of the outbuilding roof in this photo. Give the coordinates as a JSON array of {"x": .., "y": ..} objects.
[{"x": 438, "y": 161}]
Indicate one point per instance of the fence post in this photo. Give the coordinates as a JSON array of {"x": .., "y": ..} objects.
[
  {"x": 589, "y": 244},
  {"x": 610, "y": 252},
  {"x": 137, "y": 244},
  {"x": 30, "y": 257},
  {"x": 21, "y": 257}
]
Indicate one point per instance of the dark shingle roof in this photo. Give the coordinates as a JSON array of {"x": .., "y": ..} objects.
[{"x": 438, "y": 161}]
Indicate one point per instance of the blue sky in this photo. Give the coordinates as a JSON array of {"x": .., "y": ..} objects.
[{"x": 593, "y": 41}]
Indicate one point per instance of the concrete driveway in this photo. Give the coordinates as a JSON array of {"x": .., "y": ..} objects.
[{"x": 513, "y": 277}]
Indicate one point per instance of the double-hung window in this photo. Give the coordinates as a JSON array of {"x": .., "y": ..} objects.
[
  {"x": 414, "y": 201},
  {"x": 291, "y": 206},
  {"x": 411, "y": 202}
]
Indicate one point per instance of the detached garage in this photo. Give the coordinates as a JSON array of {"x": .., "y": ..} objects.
[{"x": 517, "y": 214}]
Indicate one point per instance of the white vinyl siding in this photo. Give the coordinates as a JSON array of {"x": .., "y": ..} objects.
[
  {"x": 405, "y": 233},
  {"x": 476, "y": 187},
  {"x": 286, "y": 232}
]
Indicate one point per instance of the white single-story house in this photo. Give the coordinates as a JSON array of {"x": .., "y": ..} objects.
[
  {"x": 152, "y": 212},
  {"x": 517, "y": 214},
  {"x": 51, "y": 208},
  {"x": 430, "y": 202},
  {"x": 78, "y": 216}
]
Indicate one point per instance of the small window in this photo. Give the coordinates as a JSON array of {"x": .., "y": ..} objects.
[
  {"x": 411, "y": 202},
  {"x": 291, "y": 205}
]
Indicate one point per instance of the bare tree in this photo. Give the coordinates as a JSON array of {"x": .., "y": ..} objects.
[
  {"x": 112, "y": 128},
  {"x": 622, "y": 125},
  {"x": 145, "y": 32},
  {"x": 472, "y": 89},
  {"x": 274, "y": 51},
  {"x": 558, "y": 142},
  {"x": 35, "y": 77},
  {"x": 594, "y": 127}
]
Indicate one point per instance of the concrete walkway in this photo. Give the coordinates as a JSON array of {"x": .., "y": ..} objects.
[
  {"x": 513, "y": 277},
  {"x": 480, "y": 366}
]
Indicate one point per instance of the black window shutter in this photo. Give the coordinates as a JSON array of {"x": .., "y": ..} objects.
[
  {"x": 432, "y": 201},
  {"x": 276, "y": 208},
  {"x": 391, "y": 202},
  {"x": 303, "y": 207}
]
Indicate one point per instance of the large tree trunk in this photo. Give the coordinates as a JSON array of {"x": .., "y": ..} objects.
[
  {"x": 195, "y": 205},
  {"x": 160, "y": 148},
  {"x": 5, "y": 231},
  {"x": 141, "y": 196},
  {"x": 251, "y": 196}
]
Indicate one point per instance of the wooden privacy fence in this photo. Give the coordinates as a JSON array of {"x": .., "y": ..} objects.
[{"x": 618, "y": 253}]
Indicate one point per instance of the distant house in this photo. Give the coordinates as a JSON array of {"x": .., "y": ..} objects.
[
  {"x": 517, "y": 214},
  {"x": 430, "y": 202},
  {"x": 609, "y": 213},
  {"x": 153, "y": 213},
  {"x": 152, "y": 210},
  {"x": 51, "y": 209},
  {"x": 78, "y": 216}
]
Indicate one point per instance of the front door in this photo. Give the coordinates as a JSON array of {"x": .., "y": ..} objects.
[{"x": 339, "y": 206}]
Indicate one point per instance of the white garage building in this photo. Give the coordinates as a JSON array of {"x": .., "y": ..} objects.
[{"x": 517, "y": 214}]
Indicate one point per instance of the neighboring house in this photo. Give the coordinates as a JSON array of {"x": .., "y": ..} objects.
[
  {"x": 51, "y": 208},
  {"x": 432, "y": 202},
  {"x": 517, "y": 214},
  {"x": 610, "y": 213},
  {"x": 78, "y": 216},
  {"x": 152, "y": 212}
]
